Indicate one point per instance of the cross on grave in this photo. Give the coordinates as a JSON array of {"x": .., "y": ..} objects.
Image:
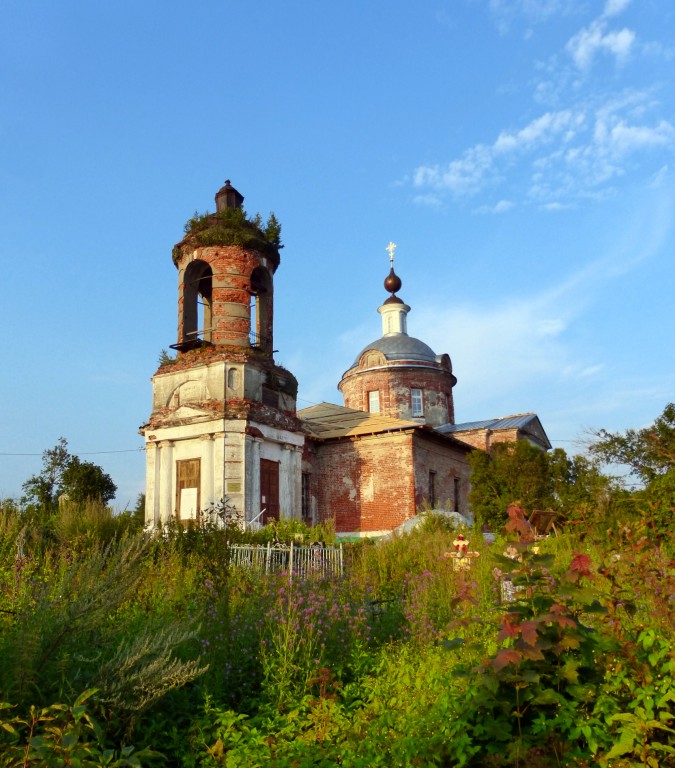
[{"x": 461, "y": 557}]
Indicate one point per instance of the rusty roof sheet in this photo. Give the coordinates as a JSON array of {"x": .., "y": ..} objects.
[
  {"x": 526, "y": 422},
  {"x": 327, "y": 420},
  {"x": 505, "y": 422}
]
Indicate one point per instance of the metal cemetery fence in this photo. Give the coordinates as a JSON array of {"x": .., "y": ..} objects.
[{"x": 315, "y": 560}]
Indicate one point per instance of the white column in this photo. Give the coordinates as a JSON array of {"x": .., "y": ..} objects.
[
  {"x": 166, "y": 491},
  {"x": 207, "y": 471},
  {"x": 252, "y": 478},
  {"x": 290, "y": 481},
  {"x": 151, "y": 486},
  {"x": 218, "y": 455}
]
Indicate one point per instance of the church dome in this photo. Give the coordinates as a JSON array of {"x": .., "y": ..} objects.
[
  {"x": 400, "y": 348},
  {"x": 398, "y": 375}
]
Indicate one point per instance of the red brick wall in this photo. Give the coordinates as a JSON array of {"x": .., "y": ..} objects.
[
  {"x": 484, "y": 438},
  {"x": 232, "y": 267},
  {"x": 448, "y": 462},
  {"x": 367, "y": 483},
  {"x": 394, "y": 383}
]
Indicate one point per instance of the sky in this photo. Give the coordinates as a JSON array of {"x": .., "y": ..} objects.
[{"x": 520, "y": 153}]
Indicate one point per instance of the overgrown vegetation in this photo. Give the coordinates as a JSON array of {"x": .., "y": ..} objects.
[
  {"x": 124, "y": 649},
  {"x": 231, "y": 226},
  {"x": 65, "y": 478}
]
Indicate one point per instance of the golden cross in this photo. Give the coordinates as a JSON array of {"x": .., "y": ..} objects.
[{"x": 391, "y": 248}]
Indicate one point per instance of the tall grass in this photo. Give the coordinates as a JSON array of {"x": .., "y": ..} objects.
[{"x": 166, "y": 646}]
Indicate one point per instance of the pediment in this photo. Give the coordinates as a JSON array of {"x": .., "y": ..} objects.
[
  {"x": 372, "y": 358},
  {"x": 190, "y": 412}
]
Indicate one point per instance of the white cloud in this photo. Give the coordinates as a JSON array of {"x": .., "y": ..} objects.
[
  {"x": 428, "y": 201},
  {"x": 623, "y": 138},
  {"x": 554, "y": 206},
  {"x": 659, "y": 178},
  {"x": 615, "y": 7},
  {"x": 593, "y": 39},
  {"x": 559, "y": 156},
  {"x": 590, "y": 371},
  {"x": 461, "y": 176},
  {"x": 469, "y": 173},
  {"x": 540, "y": 130},
  {"x": 578, "y": 148},
  {"x": 500, "y": 207},
  {"x": 503, "y": 206},
  {"x": 532, "y": 11}
]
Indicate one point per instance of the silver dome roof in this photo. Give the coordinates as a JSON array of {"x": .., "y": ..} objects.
[{"x": 400, "y": 347}]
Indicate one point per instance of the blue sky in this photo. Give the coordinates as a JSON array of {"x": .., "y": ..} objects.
[{"x": 519, "y": 152}]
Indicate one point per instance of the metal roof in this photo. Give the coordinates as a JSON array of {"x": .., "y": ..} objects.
[
  {"x": 327, "y": 420},
  {"x": 400, "y": 346},
  {"x": 525, "y": 422},
  {"x": 504, "y": 422}
]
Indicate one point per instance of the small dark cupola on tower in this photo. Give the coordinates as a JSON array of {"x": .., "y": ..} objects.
[{"x": 228, "y": 197}]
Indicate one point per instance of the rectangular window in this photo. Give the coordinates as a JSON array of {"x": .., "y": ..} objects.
[
  {"x": 306, "y": 505},
  {"x": 417, "y": 407},
  {"x": 374, "y": 401},
  {"x": 432, "y": 488},
  {"x": 456, "y": 489},
  {"x": 187, "y": 490}
]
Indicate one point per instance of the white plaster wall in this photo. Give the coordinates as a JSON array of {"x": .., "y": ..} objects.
[
  {"x": 230, "y": 466},
  {"x": 253, "y": 381},
  {"x": 205, "y": 382}
]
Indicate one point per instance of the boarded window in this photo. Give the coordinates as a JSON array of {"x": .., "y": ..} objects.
[
  {"x": 456, "y": 489},
  {"x": 269, "y": 490},
  {"x": 432, "y": 489},
  {"x": 188, "y": 499},
  {"x": 306, "y": 504},
  {"x": 270, "y": 397}
]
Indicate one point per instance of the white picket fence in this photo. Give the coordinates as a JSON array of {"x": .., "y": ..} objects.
[{"x": 306, "y": 562}]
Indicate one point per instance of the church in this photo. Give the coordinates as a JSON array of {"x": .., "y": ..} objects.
[{"x": 224, "y": 424}]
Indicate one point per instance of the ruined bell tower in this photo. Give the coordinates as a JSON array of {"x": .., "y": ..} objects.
[{"x": 223, "y": 422}]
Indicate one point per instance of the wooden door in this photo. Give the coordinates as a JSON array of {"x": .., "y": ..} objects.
[
  {"x": 187, "y": 490},
  {"x": 269, "y": 490}
]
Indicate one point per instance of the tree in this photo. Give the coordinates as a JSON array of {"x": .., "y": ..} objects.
[
  {"x": 518, "y": 473},
  {"x": 649, "y": 452},
  {"x": 63, "y": 473},
  {"x": 273, "y": 231},
  {"x": 84, "y": 481},
  {"x": 45, "y": 488},
  {"x": 508, "y": 473}
]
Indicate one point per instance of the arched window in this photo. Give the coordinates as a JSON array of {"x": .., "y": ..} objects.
[
  {"x": 197, "y": 292},
  {"x": 261, "y": 309}
]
